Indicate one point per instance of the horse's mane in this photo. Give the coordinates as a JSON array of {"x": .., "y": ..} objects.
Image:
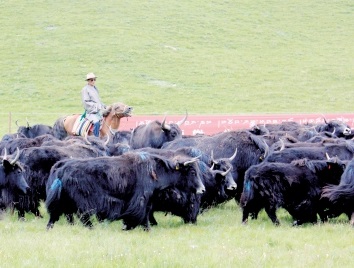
[{"x": 107, "y": 111}]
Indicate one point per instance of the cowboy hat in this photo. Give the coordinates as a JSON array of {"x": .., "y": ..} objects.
[{"x": 90, "y": 76}]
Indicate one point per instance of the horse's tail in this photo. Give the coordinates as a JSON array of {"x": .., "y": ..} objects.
[{"x": 58, "y": 129}]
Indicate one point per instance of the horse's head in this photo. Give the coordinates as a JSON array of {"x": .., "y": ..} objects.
[{"x": 119, "y": 109}]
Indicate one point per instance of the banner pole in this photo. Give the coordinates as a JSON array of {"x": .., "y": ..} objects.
[{"x": 10, "y": 119}]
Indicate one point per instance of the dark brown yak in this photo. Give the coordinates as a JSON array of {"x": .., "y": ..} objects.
[{"x": 111, "y": 120}]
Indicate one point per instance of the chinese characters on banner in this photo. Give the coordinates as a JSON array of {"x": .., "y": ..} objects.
[{"x": 212, "y": 124}]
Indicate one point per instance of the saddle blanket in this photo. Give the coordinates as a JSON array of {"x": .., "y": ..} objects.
[{"x": 81, "y": 126}]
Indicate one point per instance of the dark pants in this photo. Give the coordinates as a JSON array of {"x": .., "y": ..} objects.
[{"x": 96, "y": 129}]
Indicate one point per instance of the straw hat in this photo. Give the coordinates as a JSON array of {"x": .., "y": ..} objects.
[{"x": 90, "y": 76}]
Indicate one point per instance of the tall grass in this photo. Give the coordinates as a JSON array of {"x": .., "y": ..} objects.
[{"x": 167, "y": 56}]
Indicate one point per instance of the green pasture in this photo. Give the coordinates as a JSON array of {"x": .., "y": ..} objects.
[
  {"x": 218, "y": 240},
  {"x": 209, "y": 57}
]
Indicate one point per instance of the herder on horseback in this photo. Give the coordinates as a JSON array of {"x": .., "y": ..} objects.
[
  {"x": 97, "y": 119},
  {"x": 91, "y": 101}
]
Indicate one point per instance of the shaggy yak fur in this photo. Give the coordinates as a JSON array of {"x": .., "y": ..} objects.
[
  {"x": 37, "y": 162},
  {"x": 115, "y": 188},
  {"x": 11, "y": 178},
  {"x": 295, "y": 187},
  {"x": 341, "y": 197},
  {"x": 251, "y": 150}
]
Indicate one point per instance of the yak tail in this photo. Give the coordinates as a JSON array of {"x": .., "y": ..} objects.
[
  {"x": 54, "y": 193},
  {"x": 58, "y": 129},
  {"x": 338, "y": 193},
  {"x": 247, "y": 193}
]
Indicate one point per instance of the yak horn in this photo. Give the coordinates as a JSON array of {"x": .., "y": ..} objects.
[
  {"x": 324, "y": 119},
  {"x": 179, "y": 123},
  {"x": 194, "y": 159},
  {"x": 16, "y": 122},
  {"x": 165, "y": 126},
  {"x": 266, "y": 152},
  {"x": 86, "y": 140},
  {"x": 233, "y": 156},
  {"x": 16, "y": 157},
  {"x": 107, "y": 141},
  {"x": 225, "y": 172},
  {"x": 334, "y": 131},
  {"x": 28, "y": 126},
  {"x": 282, "y": 147},
  {"x": 327, "y": 156},
  {"x": 212, "y": 167},
  {"x": 5, "y": 154},
  {"x": 212, "y": 157}
]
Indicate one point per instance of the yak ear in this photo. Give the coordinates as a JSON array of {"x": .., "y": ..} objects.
[
  {"x": 177, "y": 166},
  {"x": 7, "y": 165}
]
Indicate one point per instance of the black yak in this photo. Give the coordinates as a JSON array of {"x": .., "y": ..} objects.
[
  {"x": 154, "y": 134},
  {"x": 294, "y": 186},
  {"x": 341, "y": 197},
  {"x": 116, "y": 188},
  {"x": 11, "y": 177}
]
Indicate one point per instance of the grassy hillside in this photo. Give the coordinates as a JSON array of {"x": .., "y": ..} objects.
[{"x": 167, "y": 56}]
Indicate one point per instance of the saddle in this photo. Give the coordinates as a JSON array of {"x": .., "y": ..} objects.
[{"x": 81, "y": 126}]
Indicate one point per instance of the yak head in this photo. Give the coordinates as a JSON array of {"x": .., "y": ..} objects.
[
  {"x": 173, "y": 130},
  {"x": 189, "y": 170},
  {"x": 225, "y": 167},
  {"x": 336, "y": 127},
  {"x": 11, "y": 173}
]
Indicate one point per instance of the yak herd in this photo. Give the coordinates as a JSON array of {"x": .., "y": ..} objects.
[{"x": 306, "y": 169}]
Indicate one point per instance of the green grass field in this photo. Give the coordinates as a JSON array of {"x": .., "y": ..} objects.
[
  {"x": 209, "y": 57},
  {"x": 218, "y": 240}
]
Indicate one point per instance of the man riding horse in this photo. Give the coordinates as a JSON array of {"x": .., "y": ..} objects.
[
  {"x": 105, "y": 120},
  {"x": 91, "y": 101}
]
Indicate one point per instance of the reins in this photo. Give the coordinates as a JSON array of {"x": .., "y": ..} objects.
[{"x": 109, "y": 127}]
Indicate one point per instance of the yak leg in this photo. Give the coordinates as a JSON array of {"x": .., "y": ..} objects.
[
  {"x": 128, "y": 224},
  {"x": 85, "y": 219},
  {"x": 312, "y": 219},
  {"x": 323, "y": 216},
  {"x": 148, "y": 213},
  {"x": 70, "y": 218},
  {"x": 245, "y": 215},
  {"x": 131, "y": 223},
  {"x": 271, "y": 212},
  {"x": 52, "y": 219},
  {"x": 21, "y": 214},
  {"x": 35, "y": 209},
  {"x": 305, "y": 212},
  {"x": 254, "y": 215},
  {"x": 352, "y": 219},
  {"x": 152, "y": 219},
  {"x": 36, "y": 212}
]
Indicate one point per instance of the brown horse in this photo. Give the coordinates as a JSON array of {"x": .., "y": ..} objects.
[{"x": 63, "y": 127}]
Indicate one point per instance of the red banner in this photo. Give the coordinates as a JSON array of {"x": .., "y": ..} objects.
[{"x": 211, "y": 124}]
